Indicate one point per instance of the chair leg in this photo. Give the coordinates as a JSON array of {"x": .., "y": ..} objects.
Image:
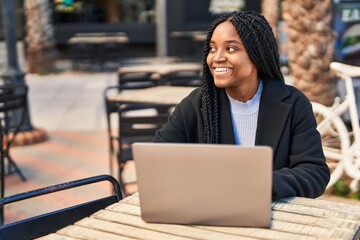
[
  {"x": 12, "y": 167},
  {"x": 120, "y": 180}
]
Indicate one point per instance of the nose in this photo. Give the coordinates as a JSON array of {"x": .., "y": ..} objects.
[{"x": 219, "y": 57}]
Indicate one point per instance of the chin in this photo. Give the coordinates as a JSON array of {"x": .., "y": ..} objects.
[{"x": 220, "y": 84}]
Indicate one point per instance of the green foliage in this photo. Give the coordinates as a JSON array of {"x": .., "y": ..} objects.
[
  {"x": 350, "y": 41},
  {"x": 342, "y": 189}
]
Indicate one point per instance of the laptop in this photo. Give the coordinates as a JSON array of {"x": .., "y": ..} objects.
[{"x": 204, "y": 184}]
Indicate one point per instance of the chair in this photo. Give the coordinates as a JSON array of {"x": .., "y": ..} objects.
[
  {"x": 111, "y": 108},
  {"x": 183, "y": 78},
  {"x": 137, "y": 80},
  {"x": 84, "y": 55},
  {"x": 47, "y": 223},
  {"x": 137, "y": 125},
  {"x": 110, "y": 52},
  {"x": 13, "y": 98},
  {"x": 2, "y": 173}
]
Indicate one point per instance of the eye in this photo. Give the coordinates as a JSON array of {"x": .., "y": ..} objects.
[
  {"x": 232, "y": 48},
  {"x": 212, "y": 48}
]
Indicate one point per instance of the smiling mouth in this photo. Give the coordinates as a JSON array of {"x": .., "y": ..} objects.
[{"x": 222, "y": 69}]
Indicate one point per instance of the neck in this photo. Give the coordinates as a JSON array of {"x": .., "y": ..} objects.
[{"x": 243, "y": 93}]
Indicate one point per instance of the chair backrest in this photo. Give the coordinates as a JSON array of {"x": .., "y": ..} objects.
[
  {"x": 12, "y": 97},
  {"x": 137, "y": 127},
  {"x": 112, "y": 108},
  {"x": 183, "y": 78},
  {"x": 50, "y": 222},
  {"x": 137, "y": 80},
  {"x": 2, "y": 172}
]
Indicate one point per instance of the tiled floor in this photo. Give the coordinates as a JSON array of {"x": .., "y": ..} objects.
[{"x": 66, "y": 156}]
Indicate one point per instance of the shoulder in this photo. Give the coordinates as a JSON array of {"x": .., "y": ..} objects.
[
  {"x": 194, "y": 98},
  {"x": 283, "y": 92}
]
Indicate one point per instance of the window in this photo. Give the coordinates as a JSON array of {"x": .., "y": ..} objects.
[{"x": 103, "y": 11}]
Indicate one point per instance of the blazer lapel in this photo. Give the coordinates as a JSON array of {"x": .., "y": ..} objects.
[{"x": 273, "y": 114}]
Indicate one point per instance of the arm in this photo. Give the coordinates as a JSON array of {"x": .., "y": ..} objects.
[
  {"x": 307, "y": 173},
  {"x": 184, "y": 124}
]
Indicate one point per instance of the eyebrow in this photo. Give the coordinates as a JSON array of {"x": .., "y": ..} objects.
[{"x": 230, "y": 41}]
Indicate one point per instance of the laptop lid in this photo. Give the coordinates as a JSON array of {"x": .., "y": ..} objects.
[{"x": 203, "y": 184}]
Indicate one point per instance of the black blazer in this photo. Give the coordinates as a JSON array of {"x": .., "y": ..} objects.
[{"x": 285, "y": 122}]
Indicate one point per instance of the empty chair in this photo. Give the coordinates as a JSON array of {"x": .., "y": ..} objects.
[
  {"x": 137, "y": 80},
  {"x": 137, "y": 125},
  {"x": 13, "y": 99},
  {"x": 110, "y": 52},
  {"x": 47, "y": 223},
  {"x": 111, "y": 111},
  {"x": 183, "y": 78},
  {"x": 84, "y": 55}
]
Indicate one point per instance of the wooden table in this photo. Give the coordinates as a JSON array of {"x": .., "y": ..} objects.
[
  {"x": 161, "y": 67},
  {"x": 100, "y": 39},
  {"x": 169, "y": 95},
  {"x": 197, "y": 36},
  {"x": 97, "y": 46},
  {"x": 293, "y": 219}
]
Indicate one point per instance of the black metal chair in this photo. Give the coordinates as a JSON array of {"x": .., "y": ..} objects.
[
  {"x": 84, "y": 55},
  {"x": 183, "y": 78},
  {"x": 13, "y": 99},
  {"x": 137, "y": 125},
  {"x": 2, "y": 173},
  {"x": 110, "y": 52},
  {"x": 47, "y": 223},
  {"x": 111, "y": 109},
  {"x": 137, "y": 80}
]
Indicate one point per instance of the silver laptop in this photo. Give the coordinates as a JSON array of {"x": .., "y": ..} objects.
[{"x": 203, "y": 184}]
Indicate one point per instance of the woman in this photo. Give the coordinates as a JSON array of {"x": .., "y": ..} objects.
[{"x": 244, "y": 100}]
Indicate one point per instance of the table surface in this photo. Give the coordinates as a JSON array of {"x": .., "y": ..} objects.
[
  {"x": 199, "y": 36},
  {"x": 98, "y": 39},
  {"x": 158, "y": 95},
  {"x": 293, "y": 218},
  {"x": 161, "y": 67}
]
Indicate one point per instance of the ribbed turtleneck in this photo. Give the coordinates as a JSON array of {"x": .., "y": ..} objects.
[{"x": 244, "y": 118}]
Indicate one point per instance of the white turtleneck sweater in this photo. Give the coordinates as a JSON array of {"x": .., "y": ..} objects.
[{"x": 244, "y": 118}]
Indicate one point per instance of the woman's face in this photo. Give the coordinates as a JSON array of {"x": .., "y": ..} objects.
[{"x": 230, "y": 64}]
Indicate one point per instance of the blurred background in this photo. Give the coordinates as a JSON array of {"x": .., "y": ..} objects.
[{"x": 69, "y": 51}]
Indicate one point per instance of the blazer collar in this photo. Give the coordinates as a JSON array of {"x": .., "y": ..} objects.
[{"x": 273, "y": 114}]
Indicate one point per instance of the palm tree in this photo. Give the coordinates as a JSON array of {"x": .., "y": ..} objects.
[
  {"x": 310, "y": 47},
  {"x": 41, "y": 53}
]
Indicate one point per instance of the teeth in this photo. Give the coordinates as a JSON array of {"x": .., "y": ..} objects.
[{"x": 221, "y": 69}]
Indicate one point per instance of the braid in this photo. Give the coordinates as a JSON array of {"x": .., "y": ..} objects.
[
  {"x": 260, "y": 43},
  {"x": 209, "y": 107}
]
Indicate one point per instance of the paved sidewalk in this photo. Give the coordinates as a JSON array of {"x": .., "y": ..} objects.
[
  {"x": 68, "y": 101},
  {"x": 70, "y": 108}
]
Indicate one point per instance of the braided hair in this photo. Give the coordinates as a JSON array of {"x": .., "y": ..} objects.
[{"x": 260, "y": 44}]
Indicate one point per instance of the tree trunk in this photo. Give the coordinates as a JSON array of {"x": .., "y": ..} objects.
[
  {"x": 41, "y": 53},
  {"x": 270, "y": 10},
  {"x": 310, "y": 47}
]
